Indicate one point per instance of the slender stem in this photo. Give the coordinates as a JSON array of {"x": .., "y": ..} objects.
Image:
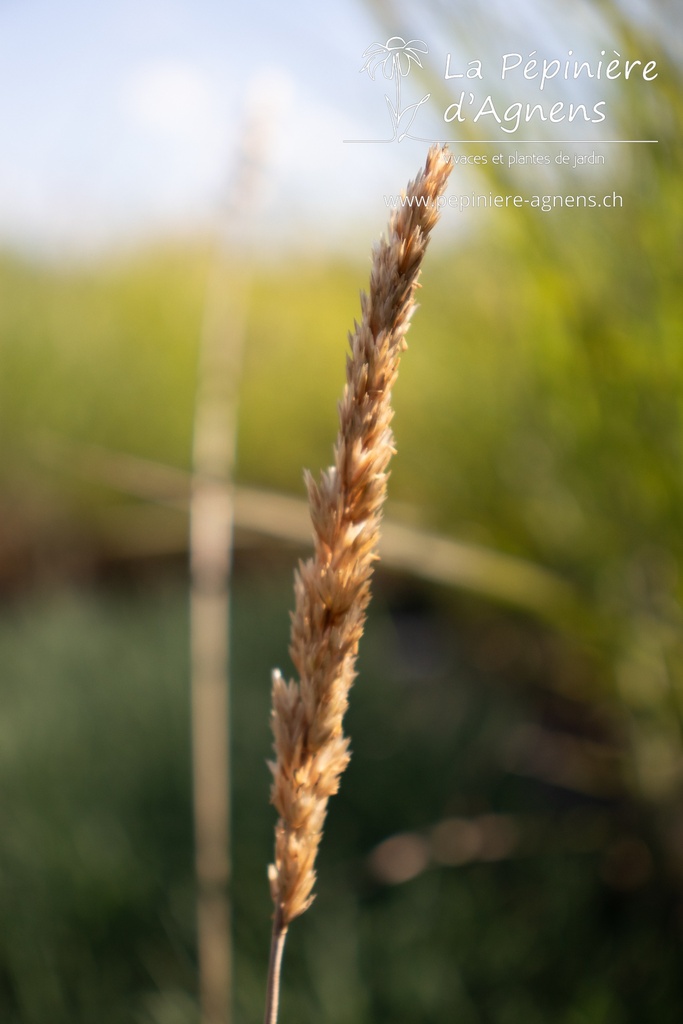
[
  {"x": 211, "y": 535},
  {"x": 211, "y": 523},
  {"x": 277, "y": 947}
]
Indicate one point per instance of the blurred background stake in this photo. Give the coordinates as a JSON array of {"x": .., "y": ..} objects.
[{"x": 211, "y": 527}]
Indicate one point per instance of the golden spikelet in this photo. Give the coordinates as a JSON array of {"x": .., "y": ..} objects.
[{"x": 332, "y": 589}]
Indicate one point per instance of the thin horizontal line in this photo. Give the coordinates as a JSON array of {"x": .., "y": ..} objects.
[
  {"x": 548, "y": 141},
  {"x": 530, "y": 142}
]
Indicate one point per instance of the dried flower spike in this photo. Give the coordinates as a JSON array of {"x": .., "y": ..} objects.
[{"x": 332, "y": 589}]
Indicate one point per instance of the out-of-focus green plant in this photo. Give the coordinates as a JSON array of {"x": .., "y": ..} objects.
[
  {"x": 565, "y": 372},
  {"x": 541, "y": 413}
]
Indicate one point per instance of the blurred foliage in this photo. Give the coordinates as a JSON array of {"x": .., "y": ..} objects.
[
  {"x": 96, "y": 897},
  {"x": 539, "y": 412}
]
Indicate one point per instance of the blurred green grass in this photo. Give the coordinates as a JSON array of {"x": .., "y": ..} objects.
[
  {"x": 96, "y": 893},
  {"x": 528, "y": 387},
  {"x": 539, "y": 411}
]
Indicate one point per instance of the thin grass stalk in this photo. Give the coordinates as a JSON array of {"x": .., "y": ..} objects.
[
  {"x": 139, "y": 532},
  {"x": 211, "y": 525},
  {"x": 332, "y": 589},
  {"x": 211, "y": 542}
]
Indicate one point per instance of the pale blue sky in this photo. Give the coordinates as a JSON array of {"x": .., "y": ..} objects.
[{"x": 121, "y": 120}]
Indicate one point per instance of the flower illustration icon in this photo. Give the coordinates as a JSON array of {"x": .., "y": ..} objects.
[{"x": 396, "y": 58}]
